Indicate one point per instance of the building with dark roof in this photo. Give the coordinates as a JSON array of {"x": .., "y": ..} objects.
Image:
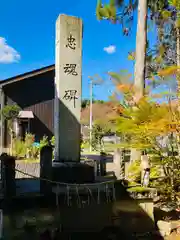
[{"x": 33, "y": 92}]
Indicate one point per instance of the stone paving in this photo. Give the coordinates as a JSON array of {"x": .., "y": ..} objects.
[{"x": 30, "y": 168}]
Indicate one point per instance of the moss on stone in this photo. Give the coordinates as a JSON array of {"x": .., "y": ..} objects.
[{"x": 139, "y": 189}]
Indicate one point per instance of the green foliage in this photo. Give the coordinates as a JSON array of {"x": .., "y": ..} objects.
[
  {"x": 19, "y": 148},
  {"x": 29, "y": 140},
  {"x": 124, "y": 85},
  {"x": 52, "y": 141},
  {"x": 142, "y": 124},
  {"x": 86, "y": 102},
  {"x": 166, "y": 15},
  {"x": 155, "y": 172},
  {"x": 107, "y": 11},
  {"x": 143, "y": 127},
  {"x": 100, "y": 129},
  {"x": 169, "y": 186},
  {"x": 139, "y": 189},
  {"x": 10, "y": 112},
  {"x": 34, "y": 152},
  {"x": 134, "y": 171},
  {"x": 31, "y": 151},
  {"x": 27, "y": 149},
  {"x": 156, "y": 6},
  {"x": 176, "y": 5},
  {"x": 117, "y": 11},
  {"x": 44, "y": 142}
]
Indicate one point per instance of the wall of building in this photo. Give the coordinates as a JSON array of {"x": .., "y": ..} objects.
[{"x": 37, "y": 95}]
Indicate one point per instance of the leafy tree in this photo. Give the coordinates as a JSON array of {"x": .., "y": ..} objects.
[
  {"x": 120, "y": 12},
  {"x": 109, "y": 11},
  {"x": 166, "y": 52},
  {"x": 141, "y": 56},
  {"x": 86, "y": 102},
  {"x": 152, "y": 60},
  {"x": 139, "y": 127},
  {"x": 9, "y": 114},
  {"x": 100, "y": 129}
]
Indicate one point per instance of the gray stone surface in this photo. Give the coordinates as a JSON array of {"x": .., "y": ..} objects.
[
  {"x": 68, "y": 88},
  {"x": 46, "y": 169},
  {"x": 119, "y": 164},
  {"x": 164, "y": 228},
  {"x": 30, "y": 168}
]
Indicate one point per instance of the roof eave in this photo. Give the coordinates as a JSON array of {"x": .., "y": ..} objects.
[{"x": 26, "y": 75}]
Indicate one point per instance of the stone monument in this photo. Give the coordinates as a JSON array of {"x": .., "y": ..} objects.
[
  {"x": 67, "y": 108},
  {"x": 68, "y": 84}
]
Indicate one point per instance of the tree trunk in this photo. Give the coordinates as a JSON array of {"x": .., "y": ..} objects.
[
  {"x": 178, "y": 58},
  {"x": 141, "y": 39},
  {"x": 178, "y": 75},
  {"x": 140, "y": 63}
]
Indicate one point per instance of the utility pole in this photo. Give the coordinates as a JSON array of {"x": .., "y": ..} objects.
[
  {"x": 96, "y": 80},
  {"x": 90, "y": 115}
]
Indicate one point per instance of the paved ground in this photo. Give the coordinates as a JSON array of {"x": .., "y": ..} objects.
[
  {"x": 34, "y": 167},
  {"x": 109, "y": 158},
  {"x": 30, "y": 168}
]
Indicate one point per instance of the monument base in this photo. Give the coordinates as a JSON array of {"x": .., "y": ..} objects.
[{"x": 72, "y": 172}]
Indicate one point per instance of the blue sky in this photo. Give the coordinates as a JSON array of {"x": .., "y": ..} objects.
[{"x": 27, "y": 34}]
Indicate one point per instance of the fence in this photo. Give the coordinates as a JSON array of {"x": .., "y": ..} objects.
[{"x": 43, "y": 173}]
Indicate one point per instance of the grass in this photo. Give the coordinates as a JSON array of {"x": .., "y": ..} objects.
[{"x": 108, "y": 147}]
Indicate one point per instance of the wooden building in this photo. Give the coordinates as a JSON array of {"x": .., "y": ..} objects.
[{"x": 33, "y": 92}]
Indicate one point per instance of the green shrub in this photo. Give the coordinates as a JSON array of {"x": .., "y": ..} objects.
[
  {"x": 19, "y": 148},
  {"x": 134, "y": 171},
  {"x": 29, "y": 140},
  {"x": 155, "y": 172},
  {"x": 43, "y": 142},
  {"x": 26, "y": 149},
  {"x": 34, "y": 152}
]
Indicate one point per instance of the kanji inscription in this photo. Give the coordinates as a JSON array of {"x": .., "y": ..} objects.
[
  {"x": 71, "y": 42},
  {"x": 70, "y": 69},
  {"x": 71, "y": 95}
]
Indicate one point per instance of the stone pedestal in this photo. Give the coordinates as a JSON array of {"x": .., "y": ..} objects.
[
  {"x": 8, "y": 179},
  {"x": 73, "y": 172},
  {"x": 46, "y": 170}
]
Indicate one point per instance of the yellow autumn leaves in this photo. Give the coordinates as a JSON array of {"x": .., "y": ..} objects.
[
  {"x": 148, "y": 121},
  {"x": 172, "y": 70}
]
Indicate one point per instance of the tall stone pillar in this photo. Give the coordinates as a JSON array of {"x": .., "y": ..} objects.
[{"x": 68, "y": 83}]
